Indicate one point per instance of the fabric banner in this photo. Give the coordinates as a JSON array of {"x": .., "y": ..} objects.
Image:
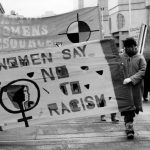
[
  {"x": 50, "y": 84},
  {"x": 31, "y": 33}
]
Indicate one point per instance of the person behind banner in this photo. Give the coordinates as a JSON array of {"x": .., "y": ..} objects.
[
  {"x": 146, "y": 82},
  {"x": 134, "y": 65},
  {"x": 113, "y": 118}
]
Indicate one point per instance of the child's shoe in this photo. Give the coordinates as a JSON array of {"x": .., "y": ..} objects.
[{"x": 129, "y": 130}]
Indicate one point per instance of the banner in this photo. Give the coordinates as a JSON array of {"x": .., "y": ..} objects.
[
  {"x": 52, "y": 84},
  {"x": 134, "y": 32},
  {"x": 30, "y": 33}
]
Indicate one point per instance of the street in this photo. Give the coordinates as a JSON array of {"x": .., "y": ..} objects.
[{"x": 80, "y": 134}]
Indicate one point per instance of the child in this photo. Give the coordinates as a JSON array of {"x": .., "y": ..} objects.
[{"x": 134, "y": 69}]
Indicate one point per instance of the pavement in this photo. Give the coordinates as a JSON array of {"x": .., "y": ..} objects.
[{"x": 80, "y": 134}]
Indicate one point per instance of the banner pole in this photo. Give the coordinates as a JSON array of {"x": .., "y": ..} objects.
[{"x": 142, "y": 38}]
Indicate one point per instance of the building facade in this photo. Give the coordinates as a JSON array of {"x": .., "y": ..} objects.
[
  {"x": 121, "y": 18},
  {"x": 126, "y": 18}
]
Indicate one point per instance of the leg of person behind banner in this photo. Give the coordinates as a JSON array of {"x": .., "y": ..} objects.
[
  {"x": 113, "y": 118},
  {"x": 128, "y": 120}
]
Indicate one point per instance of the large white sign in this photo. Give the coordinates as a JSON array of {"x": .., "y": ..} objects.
[{"x": 53, "y": 84}]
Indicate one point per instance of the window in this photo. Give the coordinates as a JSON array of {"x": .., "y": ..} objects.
[{"x": 120, "y": 21}]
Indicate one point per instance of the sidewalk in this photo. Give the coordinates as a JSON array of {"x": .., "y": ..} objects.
[{"x": 80, "y": 134}]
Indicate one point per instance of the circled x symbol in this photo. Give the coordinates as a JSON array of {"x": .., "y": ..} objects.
[
  {"x": 78, "y": 31},
  {"x": 19, "y": 100}
]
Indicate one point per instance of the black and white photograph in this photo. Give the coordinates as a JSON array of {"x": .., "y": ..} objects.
[{"x": 75, "y": 74}]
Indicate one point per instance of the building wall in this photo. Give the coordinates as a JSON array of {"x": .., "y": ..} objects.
[
  {"x": 136, "y": 20},
  {"x": 147, "y": 2},
  {"x": 81, "y": 4},
  {"x": 124, "y": 22},
  {"x": 112, "y": 4},
  {"x": 103, "y": 4}
]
